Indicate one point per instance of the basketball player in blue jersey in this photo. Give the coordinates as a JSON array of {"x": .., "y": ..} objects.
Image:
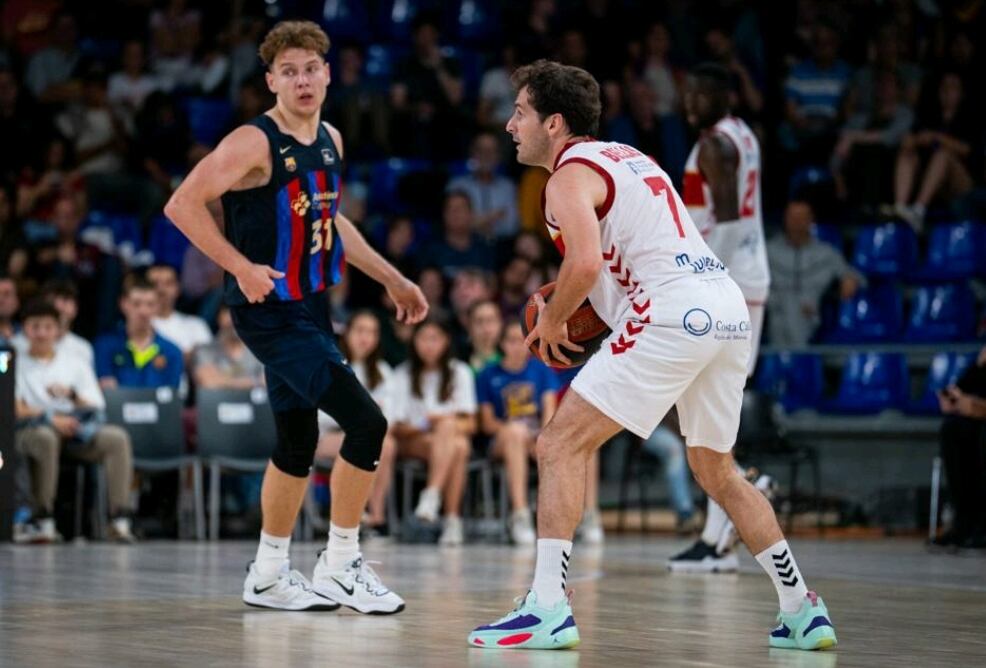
[{"x": 278, "y": 179}]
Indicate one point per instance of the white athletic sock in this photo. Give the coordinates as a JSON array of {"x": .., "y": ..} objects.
[
  {"x": 551, "y": 571},
  {"x": 342, "y": 548},
  {"x": 272, "y": 553},
  {"x": 778, "y": 561},
  {"x": 716, "y": 520}
]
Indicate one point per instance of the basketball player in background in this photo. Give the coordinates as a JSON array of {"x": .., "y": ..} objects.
[
  {"x": 278, "y": 178},
  {"x": 722, "y": 195},
  {"x": 680, "y": 336}
]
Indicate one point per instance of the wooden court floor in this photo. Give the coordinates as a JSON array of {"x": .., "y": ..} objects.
[{"x": 177, "y": 604}]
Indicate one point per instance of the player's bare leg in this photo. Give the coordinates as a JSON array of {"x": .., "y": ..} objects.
[
  {"x": 803, "y": 621},
  {"x": 280, "y": 500},
  {"x": 544, "y": 620}
]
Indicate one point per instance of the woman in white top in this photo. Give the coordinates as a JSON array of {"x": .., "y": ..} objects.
[
  {"x": 361, "y": 346},
  {"x": 435, "y": 421}
]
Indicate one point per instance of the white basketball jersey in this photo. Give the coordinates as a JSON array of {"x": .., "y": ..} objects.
[
  {"x": 651, "y": 247},
  {"x": 740, "y": 245}
]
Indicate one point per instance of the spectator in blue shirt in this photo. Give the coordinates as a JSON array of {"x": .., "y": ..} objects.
[
  {"x": 138, "y": 356},
  {"x": 516, "y": 396},
  {"x": 814, "y": 93},
  {"x": 493, "y": 195}
]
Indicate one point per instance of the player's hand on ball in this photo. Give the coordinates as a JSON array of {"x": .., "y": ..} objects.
[
  {"x": 551, "y": 336},
  {"x": 412, "y": 307},
  {"x": 257, "y": 281}
]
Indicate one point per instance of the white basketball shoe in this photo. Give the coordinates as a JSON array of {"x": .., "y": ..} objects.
[
  {"x": 357, "y": 586},
  {"x": 289, "y": 591}
]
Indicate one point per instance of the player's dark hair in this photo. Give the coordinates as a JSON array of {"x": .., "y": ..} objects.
[
  {"x": 372, "y": 361},
  {"x": 553, "y": 88},
  {"x": 446, "y": 385}
]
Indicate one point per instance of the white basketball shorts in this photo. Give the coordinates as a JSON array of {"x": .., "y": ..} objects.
[{"x": 693, "y": 355}]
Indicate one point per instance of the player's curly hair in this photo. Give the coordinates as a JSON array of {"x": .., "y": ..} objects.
[
  {"x": 293, "y": 35},
  {"x": 553, "y": 88}
]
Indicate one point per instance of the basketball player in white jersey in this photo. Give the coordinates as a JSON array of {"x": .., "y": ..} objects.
[
  {"x": 722, "y": 195},
  {"x": 681, "y": 336}
]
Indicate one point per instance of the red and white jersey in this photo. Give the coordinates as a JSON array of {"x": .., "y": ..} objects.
[
  {"x": 740, "y": 245},
  {"x": 651, "y": 248}
]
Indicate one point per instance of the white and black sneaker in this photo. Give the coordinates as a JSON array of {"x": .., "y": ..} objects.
[
  {"x": 357, "y": 586},
  {"x": 290, "y": 591},
  {"x": 703, "y": 558}
]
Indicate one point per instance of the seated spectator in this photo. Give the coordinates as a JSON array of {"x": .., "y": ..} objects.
[
  {"x": 814, "y": 95},
  {"x": 747, "y": 99},
  {"x": 64, "y": 296},
  {"x": 514, "y": 283},
  {"x": 13, "y": 246},
  {"x": 435, "y": 418},
  {"x": 801, "y": 270},
  {"x": 9, "y": 305},
  {"x": 516, "y": 399},
  {"x": 40, "y": 185},
  {"x": 358, "y": 108},
  {"x": 658, "y": 73},
  {"x": 130, "y": 86},
  {"x": 175, "y": 31},
  {"x": 496, "y": 93},
  {"x": 963, "y": 450},
  {"x": 58, "y": 407},
  {"x": 868, "y": 143},
  {"x": 138, "y": 356},
  {"x": 485, "y": 330},
  {"x": 459, "y": 246},
  {"x": 23, "y": 127},
  {"x": 361, "y": 346},
  {"x": 163, "y": 140},
  {"x": 886, "y": 50},
  {"x": 944, "y": 142},
  {"x": 186, "y": 331},
  {"x": 426, "y": 97},
  {"x": 52, "y": 73},
  {"x": 226, "y": 362},
  {"x": 95, "y": 131},
  {"x": 493, "y": 196}
]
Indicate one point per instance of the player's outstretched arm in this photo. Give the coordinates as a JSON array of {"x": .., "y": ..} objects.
[
  {"x": 412, "y": 307},
  {"x": 718, "y": 161},
  {"x": 243, "y": 151},
  {"x": 573, "y": 193}
]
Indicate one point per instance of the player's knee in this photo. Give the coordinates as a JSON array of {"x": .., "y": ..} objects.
[
  {"x": 712, "y": 470},
  {"x": 548, "y": 448},
  {"x": 364, "y": 440},
  {"x": 297, "y": 438}
]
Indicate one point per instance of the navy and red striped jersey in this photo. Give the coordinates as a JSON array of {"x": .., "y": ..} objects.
[{"x": 289, "y": 222}]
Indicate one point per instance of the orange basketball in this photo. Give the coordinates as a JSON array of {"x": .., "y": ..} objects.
[{"x": 584, "y": 328}]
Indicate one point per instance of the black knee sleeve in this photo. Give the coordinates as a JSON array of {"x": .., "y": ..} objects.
[
  {"x": 297, "y": 438},
  {"x": 349, "y": 404}
]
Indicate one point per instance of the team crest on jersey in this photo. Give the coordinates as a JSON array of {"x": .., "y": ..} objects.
[
  {"x": 301, "y": 204},
  {"x": 290, "y": 164},
  {"x": 327, "y": 156}
]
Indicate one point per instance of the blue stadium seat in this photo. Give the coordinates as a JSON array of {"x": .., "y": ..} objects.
[
  {"x": 795, "y": 380},
  {"x": 208, "y": 118},
  {"x": 873, "y": 314},
  {"x": 474, "y": 22},
  {"x": 945, "y": 370},
  {"x": 955, "y": 251},
  {"x": 830, "y": 234},
  {"x": 385, "y": 178},
  {"x": 886, "y": 250},
  {"x": 381, "y": 63},
  {"x": 473, "y": 66},
  {"x": 167, "y": 243},
  {"x": 394, "y": 19},
  {"x": 807, "y": 177},
  {"x": 346, "y": 20},
  {"x": 942, "y": 313},
  {"x": 871, "y": 382},
  {"x": 113, "y": 233}
]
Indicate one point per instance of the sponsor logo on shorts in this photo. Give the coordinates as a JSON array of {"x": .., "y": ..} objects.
[
  {"x": 697, "y": 322},
  {"x": 738, "y": 330}
]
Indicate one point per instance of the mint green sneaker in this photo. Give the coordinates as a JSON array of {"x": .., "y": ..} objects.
[
  {"x": 808, "y": 628},
  {"x": 530, "y": 627}
]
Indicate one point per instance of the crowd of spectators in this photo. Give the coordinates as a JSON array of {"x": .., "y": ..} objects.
[{"x": 867, "y": 112}]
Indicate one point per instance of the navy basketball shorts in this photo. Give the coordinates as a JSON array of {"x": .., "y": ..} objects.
[{"x": 295, "y": 343}]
